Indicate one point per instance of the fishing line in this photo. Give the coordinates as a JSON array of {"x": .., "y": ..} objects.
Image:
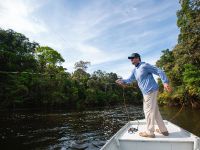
[
  {"x": 132, "y": 129},
  {"x": 177, "y": 114},
  {"x": 125, "y": 104}
]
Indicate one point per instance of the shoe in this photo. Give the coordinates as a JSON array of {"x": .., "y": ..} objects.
[
  {"x": 166, "y": 133},
  {"x": 144, "y": 134}
]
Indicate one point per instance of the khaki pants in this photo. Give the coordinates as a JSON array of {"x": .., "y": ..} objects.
[{"x": 152, "y": 113}]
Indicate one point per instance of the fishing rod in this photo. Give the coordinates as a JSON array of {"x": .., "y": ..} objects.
[{"x": 132, "y": 129}]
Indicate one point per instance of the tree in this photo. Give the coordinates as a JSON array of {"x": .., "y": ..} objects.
[
  {"x": 182, "y": 63},
  {"x": 189, "y": 37},
  {"x": 48, "y": 57},
  {"x": 191, "y": 80},
  {"x": 166, "y": 60},
  {"x": 32, "y": 76},
  {"x": 16, "y": 52},
  {"x": 80, "y": 73},
  {"x": 16, "y": 55},
  {"x": 83, "y": 65}
]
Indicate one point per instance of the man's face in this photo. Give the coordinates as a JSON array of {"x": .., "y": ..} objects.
[{"x": 135, "y": 60}]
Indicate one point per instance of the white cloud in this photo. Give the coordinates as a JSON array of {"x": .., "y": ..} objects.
[
  {"x": 112, "y": 25},
  {"x": 18, "y": 15}
]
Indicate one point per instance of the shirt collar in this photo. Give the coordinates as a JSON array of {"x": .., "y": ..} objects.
[{"x": 137, "y": 66}]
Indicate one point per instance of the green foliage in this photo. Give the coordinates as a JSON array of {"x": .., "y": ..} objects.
[
  {"x": 189, "y": 37},
  {"x": 16, "y": 52},
  {"x": 31, "y": 76},
  {"x": 163, "y": 98},
  {"x": 182, "y": 63},
  {"x": 191, "y": 79},
  {"x": 48, "y": 58},
  {"x": 166, "y": 60}
]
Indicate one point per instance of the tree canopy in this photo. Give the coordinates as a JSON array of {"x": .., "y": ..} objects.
[
  {"x": 182, "y": 62},
  {"x": 32, "y": 76}
]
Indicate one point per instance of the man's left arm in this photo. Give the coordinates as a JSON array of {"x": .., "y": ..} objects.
[{"x": 161, "y": 74}]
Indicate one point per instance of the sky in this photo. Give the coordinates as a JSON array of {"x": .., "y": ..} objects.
[{"x": 103, "y": 32}]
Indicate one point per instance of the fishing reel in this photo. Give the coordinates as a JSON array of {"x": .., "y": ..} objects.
[{"x": 132, "y": 130}]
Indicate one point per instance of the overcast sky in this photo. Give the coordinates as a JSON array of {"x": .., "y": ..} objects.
[{"x": 104, "y": 32}]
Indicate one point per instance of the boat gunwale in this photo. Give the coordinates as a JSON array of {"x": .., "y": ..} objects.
[{"x": 115, "y": 136}]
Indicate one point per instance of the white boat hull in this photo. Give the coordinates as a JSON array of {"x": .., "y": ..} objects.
[{"x": 178, "y": 139}]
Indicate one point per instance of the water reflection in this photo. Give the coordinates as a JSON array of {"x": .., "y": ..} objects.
[
  {"x": 78, "y": 130},
  {"x": 187, "y": 118}
]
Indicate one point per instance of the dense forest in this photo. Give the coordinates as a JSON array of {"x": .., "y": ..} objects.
[
  {"x": 182, "y": 63},
  {"x": 32, "y": 76}
]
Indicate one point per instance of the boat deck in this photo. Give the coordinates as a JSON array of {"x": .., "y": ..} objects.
[
  {"x": 175, "y": 133},
  {"x": 178, "y": 139}
]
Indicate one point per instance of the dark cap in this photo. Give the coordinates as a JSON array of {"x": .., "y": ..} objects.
[{"x": 134, "y": 55}]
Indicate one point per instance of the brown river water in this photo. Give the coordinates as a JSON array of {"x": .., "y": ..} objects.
[{"x": 72, "y": 130}]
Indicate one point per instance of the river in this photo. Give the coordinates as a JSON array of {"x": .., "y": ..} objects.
[{"x": 69, "y": 130}]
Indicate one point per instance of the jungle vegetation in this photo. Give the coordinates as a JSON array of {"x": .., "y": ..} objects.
[
  {"x": 32, "y": 76},
  {"x": 182, "y": 63}
]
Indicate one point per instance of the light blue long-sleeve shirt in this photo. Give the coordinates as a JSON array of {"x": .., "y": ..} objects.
[{"x": 143, "y": 74}]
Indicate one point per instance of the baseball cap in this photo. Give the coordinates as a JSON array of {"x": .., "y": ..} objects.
[{"x": 134, "y": 55}]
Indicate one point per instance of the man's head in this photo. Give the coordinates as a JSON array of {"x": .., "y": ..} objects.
[{"x": 135, "y": 58}]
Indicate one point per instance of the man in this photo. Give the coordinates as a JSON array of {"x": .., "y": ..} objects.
[{"x": 143, "y": 74}]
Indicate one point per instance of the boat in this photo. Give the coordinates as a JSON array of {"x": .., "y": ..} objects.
[{"x": 127, "y": 138}]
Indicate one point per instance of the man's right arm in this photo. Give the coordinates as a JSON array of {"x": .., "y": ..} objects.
[{"x": 126, "y": 81}]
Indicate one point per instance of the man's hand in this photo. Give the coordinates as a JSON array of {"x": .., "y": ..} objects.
[
  {"x": 121, "y": 83},
  {"x": 167, "y": 87}
]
